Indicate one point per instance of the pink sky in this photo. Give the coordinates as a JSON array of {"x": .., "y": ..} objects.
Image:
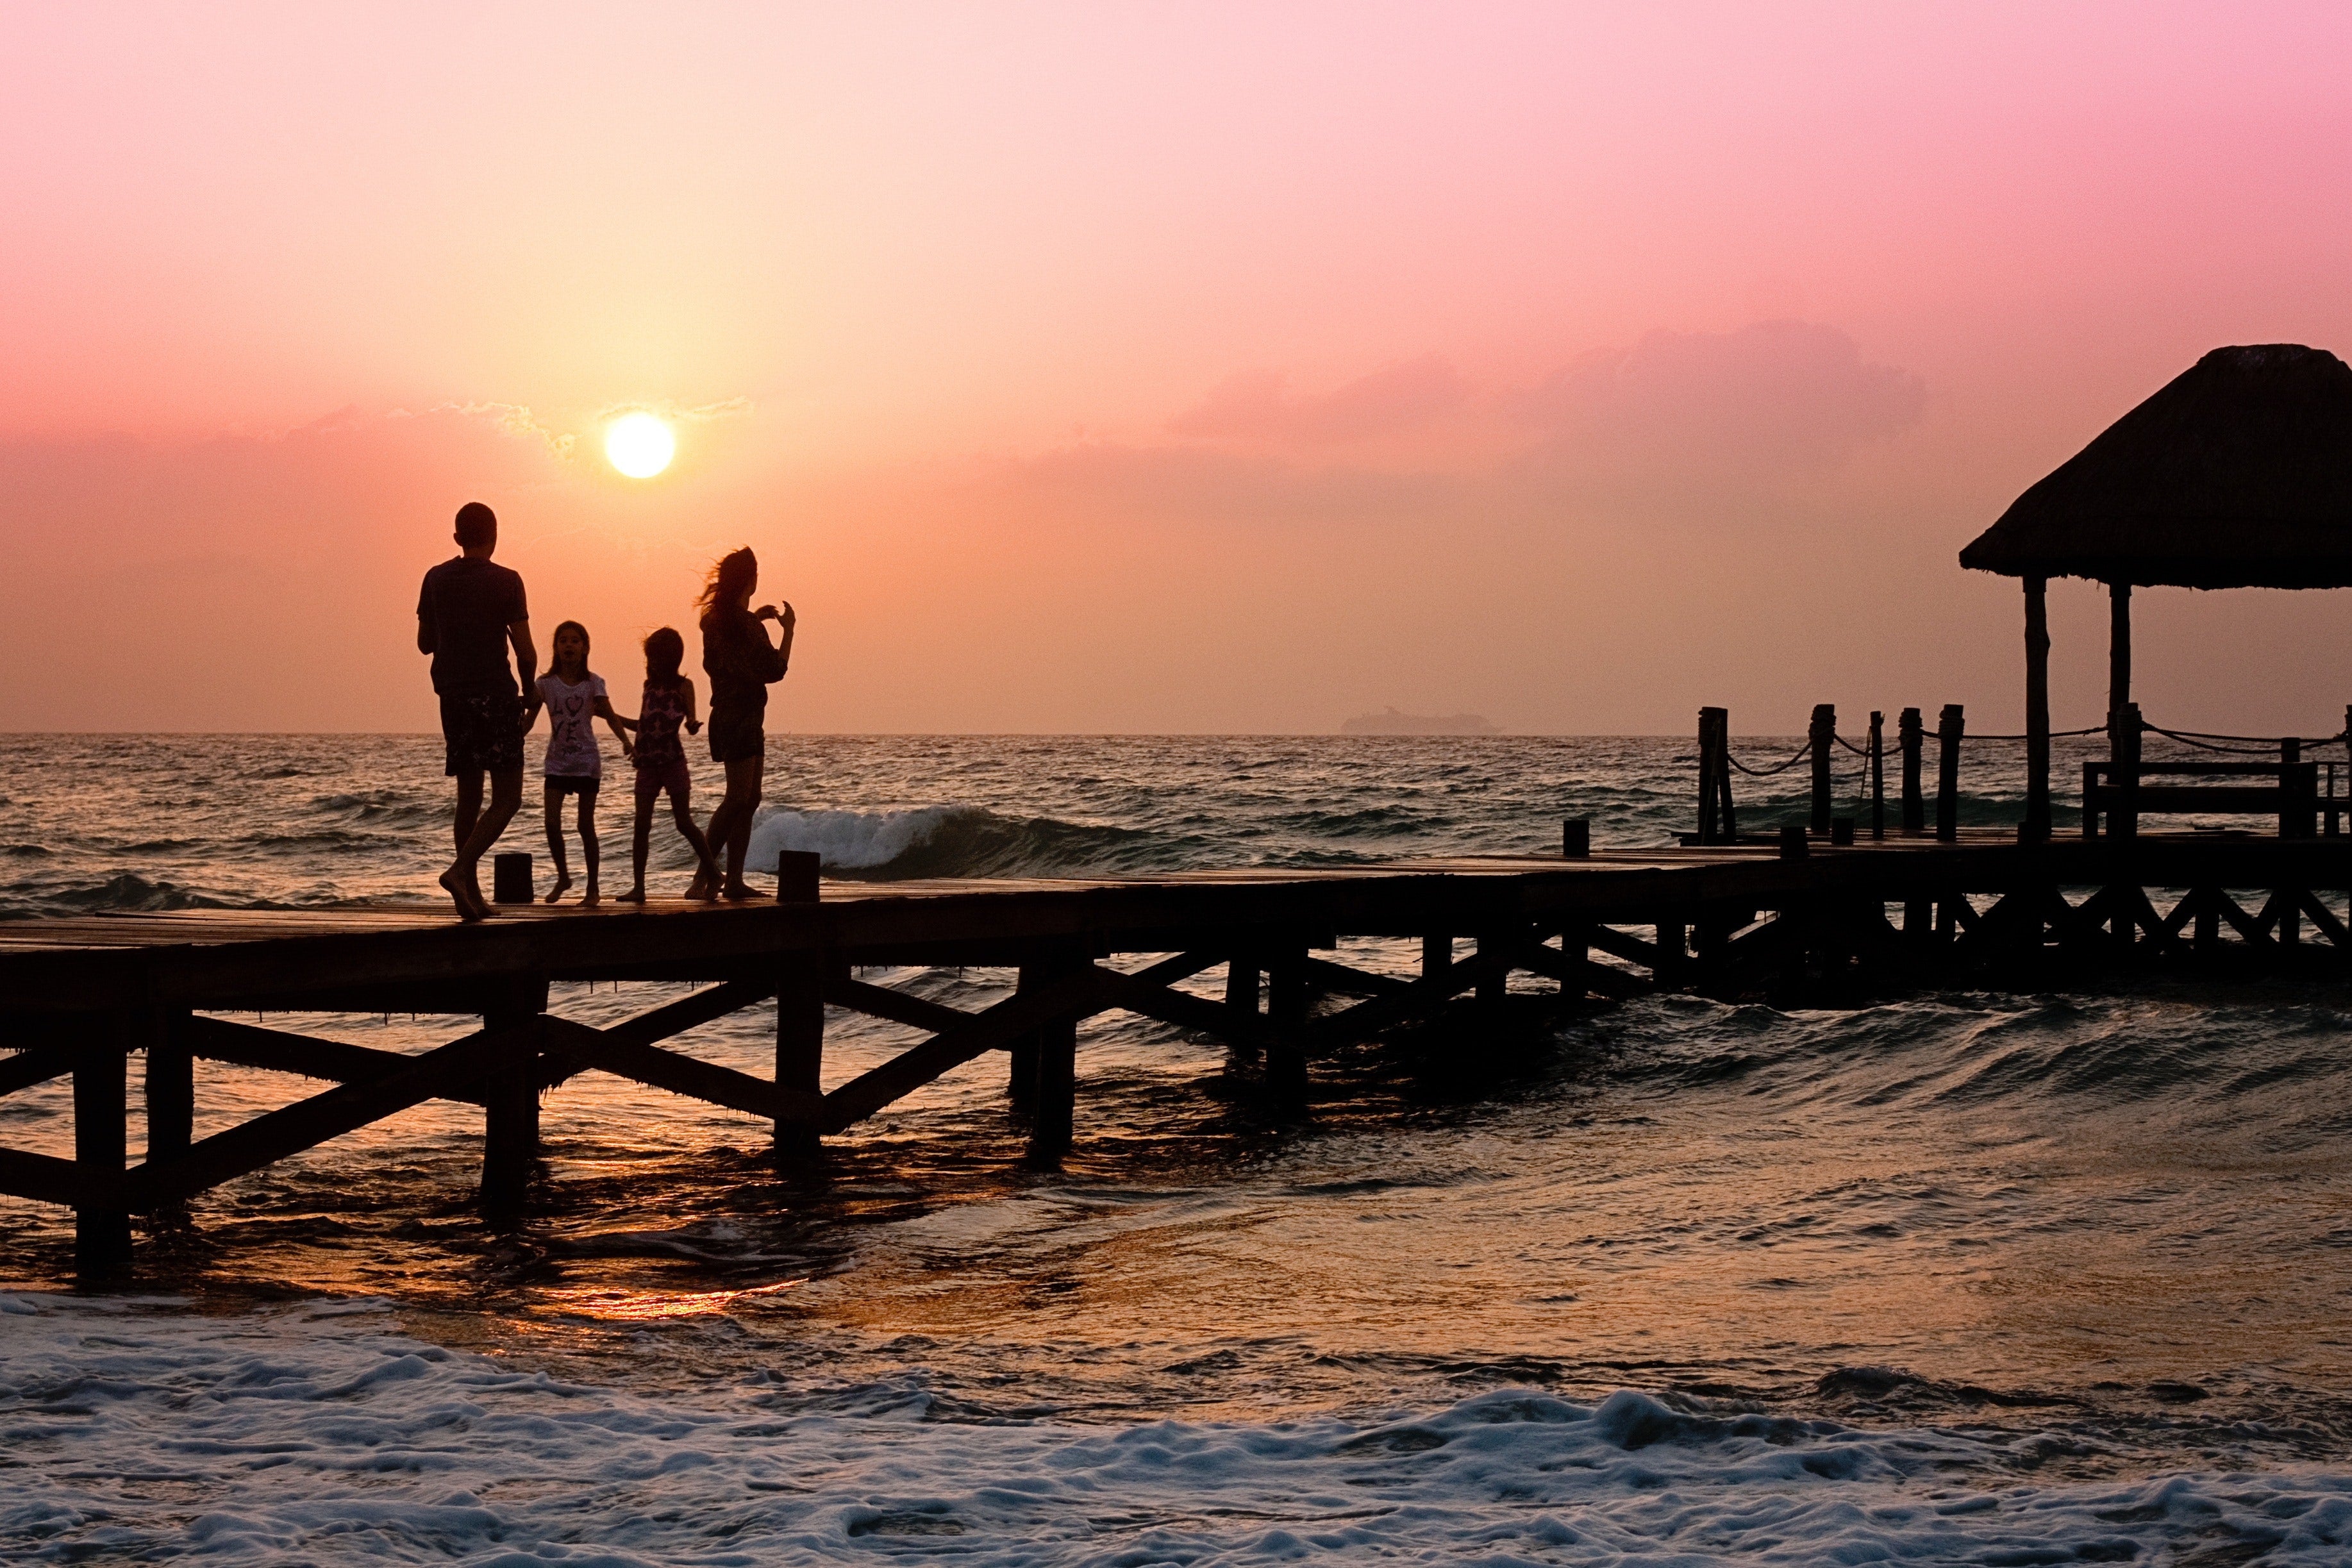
[{"x": 1134, "y": 368}]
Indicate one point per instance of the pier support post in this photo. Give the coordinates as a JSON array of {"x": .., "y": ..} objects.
[
  {"x": 1908, "y": 731},
  {"x": 1495, "y": 987},
  {"x": 1053, "y": 1052},
  {"x": 1436, "y": 955},
  {"x": 1286, "y": 1007},
  {"x": 800, "y": 1045},
  {"x": 1674, "y": 953},
  {"x": 1949, "y": 728},
  {"x": 170, "y": 1085},
  {"x": 1824, "y": 733},
  {"x": 101, "y": 1234},
  {"x": 511, "y": 1100}
]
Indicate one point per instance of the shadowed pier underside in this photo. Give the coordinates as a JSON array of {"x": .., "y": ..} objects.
[{"x": 83, "y": 996}]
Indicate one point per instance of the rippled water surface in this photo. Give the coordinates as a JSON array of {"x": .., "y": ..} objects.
[{"x": 1956, "y": 1277}]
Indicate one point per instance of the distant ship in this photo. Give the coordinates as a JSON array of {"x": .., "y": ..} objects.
[{"x": 1389, "y": 721}]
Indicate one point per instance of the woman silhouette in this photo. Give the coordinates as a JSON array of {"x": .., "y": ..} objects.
[{"x": 742, "y": 664}]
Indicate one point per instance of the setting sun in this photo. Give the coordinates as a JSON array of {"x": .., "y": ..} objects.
[{"x": 639, "y": 445}]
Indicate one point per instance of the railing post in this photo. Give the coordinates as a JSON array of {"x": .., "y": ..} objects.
[
  {"x": 1908, "y": 734},
  {"x": 1949, "y": 727},
  {"x": 1824, "y": 737},
  {"x": 1877, "y": 774}
]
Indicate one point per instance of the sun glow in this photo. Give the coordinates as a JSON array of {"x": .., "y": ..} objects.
[{"x": 639, "y": 445}]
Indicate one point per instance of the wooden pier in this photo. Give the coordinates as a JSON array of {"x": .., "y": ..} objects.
[{"x": 85, "y": 996}]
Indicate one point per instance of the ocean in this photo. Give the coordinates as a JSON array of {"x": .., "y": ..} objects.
[{"x": 1963, "y": 1276}]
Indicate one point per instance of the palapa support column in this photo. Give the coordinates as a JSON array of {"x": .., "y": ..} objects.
[
  {"x": 510, "y": 1100},
  {"x": 1949, "y": 728},
  {"x": 1877, "y": 774},
  {"x": 1909, "y": 732},
  {"x": 101, "y": 1144},
  {"x": 1824, "y": 733},
  {"x": 2036, "y": 828},
  {"x": 170, "y": 1085},
  {"x": 800, "y": 1005}
]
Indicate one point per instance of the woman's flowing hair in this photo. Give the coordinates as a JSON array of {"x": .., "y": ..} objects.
[
  {"x": 730, "y": 579},
  {"x": 665, "y": 651},
  {"x": 554, "y": 664}
]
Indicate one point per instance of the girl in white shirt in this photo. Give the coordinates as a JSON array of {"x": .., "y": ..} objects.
[{"x": 574, "y": 698}]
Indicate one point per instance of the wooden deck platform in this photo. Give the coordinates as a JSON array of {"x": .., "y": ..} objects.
[{"x": 82, "y": 996}]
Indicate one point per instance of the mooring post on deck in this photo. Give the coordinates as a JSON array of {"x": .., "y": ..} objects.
[
  {"x": 1824, "y": 733},
  {"x": 1909, "y": 735},
  {"x": 510, "y": 1097},
  {"x": 1877, "y": 774},
  {"x": 171, "y": 1084},
  {"x": 2124, "y": 727},
  {"x": 1949, "y": 727},
  {"x": 101, "y": 1143}
]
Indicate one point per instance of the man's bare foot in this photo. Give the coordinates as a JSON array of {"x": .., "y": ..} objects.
[
  {"x": 590, "y": 899},
  {"x": 469, "y": 909},
  {"x": 562, "y": 886},
  {"x": 635, "y": 895},
  {"x": 741, "y": 893}
]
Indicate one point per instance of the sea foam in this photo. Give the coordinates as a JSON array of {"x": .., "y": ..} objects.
[{"x": 323, "y": 1433}]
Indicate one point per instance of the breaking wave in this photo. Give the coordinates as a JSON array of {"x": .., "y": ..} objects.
[
  {"x": 959, "y": 841},
  {"x": 325, "y": 1435}
]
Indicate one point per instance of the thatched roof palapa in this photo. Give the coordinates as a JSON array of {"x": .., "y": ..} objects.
[{"x": 2237, "y": 474}]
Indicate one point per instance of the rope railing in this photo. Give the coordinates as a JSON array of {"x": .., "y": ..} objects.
[
  {"x": 1868, "y": 786},
  {"x": 1802, "y": 753}
]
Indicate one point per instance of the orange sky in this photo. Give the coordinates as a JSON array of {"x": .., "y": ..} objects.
[{"x": 1140, "y": 368}]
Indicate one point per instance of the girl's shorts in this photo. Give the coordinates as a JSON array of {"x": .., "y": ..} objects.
[{"x": 670, "y": 776}]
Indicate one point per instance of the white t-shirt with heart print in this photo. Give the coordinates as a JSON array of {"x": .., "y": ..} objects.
[{"x": 572, "y": 750}]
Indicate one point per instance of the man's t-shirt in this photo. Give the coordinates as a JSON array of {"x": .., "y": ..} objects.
[{"x": 467, "y": 603}]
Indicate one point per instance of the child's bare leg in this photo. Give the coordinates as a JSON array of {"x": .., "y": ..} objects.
[
  {"x": 639, "y": 833},
  {"x": 706, "y": 878},
  {"x": 555, "y": 843},
  {"x": 591, "y": 852}
]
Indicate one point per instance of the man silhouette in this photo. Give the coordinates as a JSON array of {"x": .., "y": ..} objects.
[{"x": 467, "y": 613}]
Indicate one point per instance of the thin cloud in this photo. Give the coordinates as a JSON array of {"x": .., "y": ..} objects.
[{"x": 1395, "y": 400}]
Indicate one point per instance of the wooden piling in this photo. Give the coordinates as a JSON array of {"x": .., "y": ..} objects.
[
  {"x": 1717, "y": 822},
  {"x": 101, "y": 1143},
  {"x": 1823, "y": 733},
  {"x": 1285, "y": 1007},
  {"x": 1877, "y": 774},
  {"x": 1436, "y": 955},
  {"x": 1949, "y": 728},
  {"x": 1908, "y": 731}
]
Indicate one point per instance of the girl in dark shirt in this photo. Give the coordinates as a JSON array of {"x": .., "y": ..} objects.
[{"x": 742, "y": 664}]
